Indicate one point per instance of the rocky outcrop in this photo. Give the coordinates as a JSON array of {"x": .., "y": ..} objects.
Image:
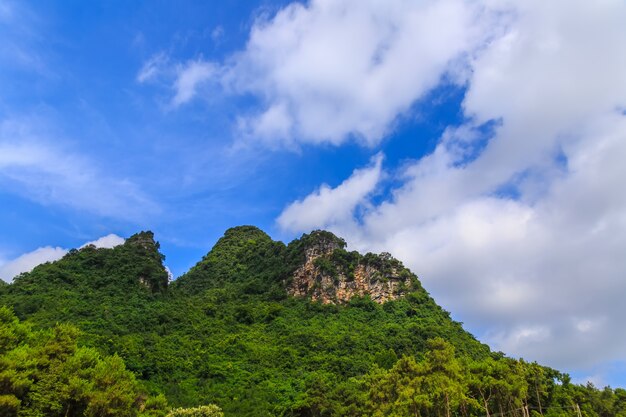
[
  {"x": 144, "y": 240},
  {"x": 332, "y": 275},
  {"x": 149, "y": 270}
]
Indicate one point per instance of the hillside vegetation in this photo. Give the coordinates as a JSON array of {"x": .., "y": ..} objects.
[{"x": 229, "y": 333}]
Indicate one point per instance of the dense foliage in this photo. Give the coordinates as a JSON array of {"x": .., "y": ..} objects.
[
  {"x": 45, "y": 373},
  {"x": 227, "y": 333}
]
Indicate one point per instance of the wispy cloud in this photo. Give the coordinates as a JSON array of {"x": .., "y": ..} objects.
[
  {"x": 33, "y": 167},
  {"x": 186, "y": 79},
  {"x": 217, "y": 34},
  {"x": 153, "y": 67},
  {"x": 189, "y": 78}
]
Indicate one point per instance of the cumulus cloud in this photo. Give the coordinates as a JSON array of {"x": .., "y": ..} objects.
[
  {"x": 522, "y": 234},
  {"x": 342, "y": 68},
  {"x": 328, "y": 206},
  {"x": 330, "y": 71},
  {"x": 32, "y": 166},
  {"x": 109, "y": 241},
  {"x": 26, "y": 262}
]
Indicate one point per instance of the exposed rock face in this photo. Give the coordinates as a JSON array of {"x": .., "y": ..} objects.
[{"x": 324, "y": 278}]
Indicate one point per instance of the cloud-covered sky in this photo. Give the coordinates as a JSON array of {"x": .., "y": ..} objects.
[{"x": 481, "y": 142}]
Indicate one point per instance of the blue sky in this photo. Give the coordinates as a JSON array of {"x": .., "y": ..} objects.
[{"x": 480, "y": 142}]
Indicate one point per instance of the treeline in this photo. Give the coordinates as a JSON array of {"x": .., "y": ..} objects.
[{"x": 440, "y": 384}]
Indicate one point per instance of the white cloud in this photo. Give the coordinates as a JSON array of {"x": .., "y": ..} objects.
[
  {"x": 539, "y": 272},
  {"x": 189, "y": 77},
  {"x": 26, "y": 262},
  {"x": 351, "y": 68},
  {"x": 275, "y": 123},
  {"x": 328, "y": 206},
  {"x": 331, "y": 71},
  {"x": 153, "y": 67},
  {"x": 49, "y": 174},
  {"x": 170, "y": 276},
  {"x": 109, "y": 241}
]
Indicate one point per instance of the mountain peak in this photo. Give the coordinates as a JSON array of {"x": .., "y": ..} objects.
[
  {"x": 244, "y": 230},
  {"x": 321, "y": 242},
  {"x": 243, "y": 254},
  {"x": 144, "y": 239}
]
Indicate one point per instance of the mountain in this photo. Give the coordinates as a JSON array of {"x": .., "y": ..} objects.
[
  {"x": 262, "y": 329},
  {"x": 316, "y": 266}
]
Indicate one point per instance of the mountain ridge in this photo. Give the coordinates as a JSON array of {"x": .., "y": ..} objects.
[
  {"x": 317, "y": 266},
  {"x": 261, "y": 328}
]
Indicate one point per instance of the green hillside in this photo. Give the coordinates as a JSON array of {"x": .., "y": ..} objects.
[{"x": 228, "y": 332}]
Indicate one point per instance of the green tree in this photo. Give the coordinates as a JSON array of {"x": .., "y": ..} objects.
[
  {"x": 45, "y": 373},
  {"x": 443, "y": 379},
  {"x": 435, "y": 386}
]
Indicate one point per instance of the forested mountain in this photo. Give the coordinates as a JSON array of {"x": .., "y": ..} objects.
[{"x": 258, "y": 328}]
